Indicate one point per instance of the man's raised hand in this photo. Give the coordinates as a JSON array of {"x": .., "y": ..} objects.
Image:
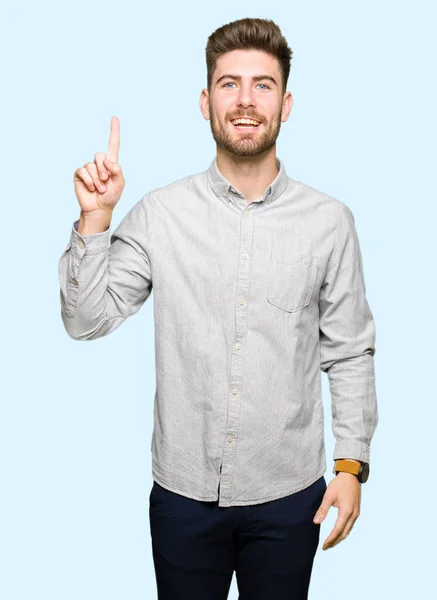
[{"x": 104, "y": 171}]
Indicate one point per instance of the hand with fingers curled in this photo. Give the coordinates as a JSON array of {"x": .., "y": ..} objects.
[
  {"x": 99, "y": 185},
  {"x": 343, "y": 492}
]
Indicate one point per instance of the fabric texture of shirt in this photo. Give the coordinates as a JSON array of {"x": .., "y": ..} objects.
[{"x": 252, "y": 302}]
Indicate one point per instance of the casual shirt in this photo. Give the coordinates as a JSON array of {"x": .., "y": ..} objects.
[{"x": 252, "y": 301}]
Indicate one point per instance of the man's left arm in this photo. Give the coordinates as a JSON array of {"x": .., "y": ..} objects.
[
  {"x": 347, "y": 348},
  {"x": 347, "y": 345}
]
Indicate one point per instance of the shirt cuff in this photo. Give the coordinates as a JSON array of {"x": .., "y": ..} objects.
[
  {"x": 93, "y": 243},
  {"x": 352, "y": 449}
]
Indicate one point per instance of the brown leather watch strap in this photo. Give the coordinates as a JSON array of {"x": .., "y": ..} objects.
[{"x": 347, "y": 466}]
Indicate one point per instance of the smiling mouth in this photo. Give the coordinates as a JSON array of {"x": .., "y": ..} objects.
[{"x": 244, "y": 127}]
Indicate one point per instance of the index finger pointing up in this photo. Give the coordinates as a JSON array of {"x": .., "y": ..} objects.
[{"x": 114, "y": 140}]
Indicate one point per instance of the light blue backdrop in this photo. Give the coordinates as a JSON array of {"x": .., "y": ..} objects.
[{"x": 76, "y": 418}]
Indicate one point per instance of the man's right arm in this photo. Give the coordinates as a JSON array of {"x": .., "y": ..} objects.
[{"x": 105, "y": 278}]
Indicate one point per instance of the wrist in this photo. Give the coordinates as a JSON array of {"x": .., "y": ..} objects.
[
  {"x": 94, "y": 222},
  {"x": 352, "y": 466}
]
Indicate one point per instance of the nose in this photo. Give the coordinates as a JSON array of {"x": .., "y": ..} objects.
[{"x": 246, "y": 96}]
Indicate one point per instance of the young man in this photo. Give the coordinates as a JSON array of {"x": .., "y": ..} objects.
[{"x": 258, "y": 286}]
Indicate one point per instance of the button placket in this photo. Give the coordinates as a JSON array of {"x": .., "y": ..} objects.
[{"x": 237, "y": 357}]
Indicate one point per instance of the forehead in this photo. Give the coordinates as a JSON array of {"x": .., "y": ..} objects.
[{"x": 247, "y": 63}]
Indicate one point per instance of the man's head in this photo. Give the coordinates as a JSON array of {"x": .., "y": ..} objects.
[{"x": 248, "y": 64}]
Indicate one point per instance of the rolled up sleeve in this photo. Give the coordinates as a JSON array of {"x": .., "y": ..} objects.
[{"x": 347, "y": 344}]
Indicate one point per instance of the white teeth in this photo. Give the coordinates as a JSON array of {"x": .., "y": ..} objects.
[{"x": 245, "y": 121}]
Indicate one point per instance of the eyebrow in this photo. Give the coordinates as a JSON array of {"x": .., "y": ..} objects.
[{"x": 254, "y": 78}]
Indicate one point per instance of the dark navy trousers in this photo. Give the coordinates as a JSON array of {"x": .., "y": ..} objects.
[{"x": 198, "y": 545}]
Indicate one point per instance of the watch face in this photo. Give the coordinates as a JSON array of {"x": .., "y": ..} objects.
[{"x": 365, "y": 470}]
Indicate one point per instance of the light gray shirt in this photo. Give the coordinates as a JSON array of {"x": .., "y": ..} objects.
[{"x": 252, "y": 300}]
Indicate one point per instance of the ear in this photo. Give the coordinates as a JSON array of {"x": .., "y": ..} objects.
[
  {"x": 204, "y": 104},
  {"x": 287, "y": 104}
]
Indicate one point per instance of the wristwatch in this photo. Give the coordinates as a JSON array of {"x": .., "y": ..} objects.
[{"x": 359, "y": 468}]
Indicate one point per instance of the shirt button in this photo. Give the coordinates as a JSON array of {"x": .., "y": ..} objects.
[
  {"x": 238, "y": 346},
  {"x": 229, "y": 438},
  {"x": 245, "y": 256},
  {"x": 81, "y": 244},
  {"x": 241, "y": 301},
  {"x": 234, "y": 391},
  {"x": 74, "y": 282}
]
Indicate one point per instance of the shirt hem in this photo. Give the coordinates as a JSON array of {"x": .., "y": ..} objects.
[
  {"x": 285, "y": 493},
  {"x": 252, "y": 502},
  {"x": 182, "y": 493}
]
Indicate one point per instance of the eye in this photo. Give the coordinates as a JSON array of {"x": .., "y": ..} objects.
[{"x": 232, "y": 83}]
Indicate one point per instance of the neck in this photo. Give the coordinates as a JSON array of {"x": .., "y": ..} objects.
[{"x": 250, "y": 175}]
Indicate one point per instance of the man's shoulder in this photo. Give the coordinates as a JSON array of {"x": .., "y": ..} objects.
[
  {"x": 177, "y": 187},
  {"x": 317, "y": 199}
]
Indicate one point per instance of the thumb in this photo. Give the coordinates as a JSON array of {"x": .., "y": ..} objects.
[{"x": 322, "y": 512}]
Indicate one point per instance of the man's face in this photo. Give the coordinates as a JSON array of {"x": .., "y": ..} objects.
[{"x": 243, "y": 96}]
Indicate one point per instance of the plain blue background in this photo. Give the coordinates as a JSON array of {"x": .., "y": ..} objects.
[{"x": 76, "y": 418}]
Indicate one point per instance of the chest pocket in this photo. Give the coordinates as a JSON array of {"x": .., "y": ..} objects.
[{"x": 291, "y": 280}]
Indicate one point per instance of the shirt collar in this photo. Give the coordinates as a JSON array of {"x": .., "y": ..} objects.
[{"x": 223, "y": 187}]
